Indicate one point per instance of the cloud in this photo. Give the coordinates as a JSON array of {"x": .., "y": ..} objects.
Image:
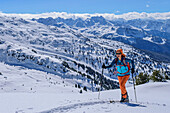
[
  {"x": 147, "y": 5},
  {"x": 109, "y": 16},
  {"x": 117, "y": 11}
]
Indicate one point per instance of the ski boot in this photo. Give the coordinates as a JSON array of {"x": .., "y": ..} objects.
[{"x": 124, "y": 99}]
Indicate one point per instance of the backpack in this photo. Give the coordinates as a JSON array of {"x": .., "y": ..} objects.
[{"x": 124, "y": 64}]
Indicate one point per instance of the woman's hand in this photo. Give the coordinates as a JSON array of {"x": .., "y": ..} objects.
[
  {"x": 103, "y": 66},
  {"x": 132, "y": 70}
]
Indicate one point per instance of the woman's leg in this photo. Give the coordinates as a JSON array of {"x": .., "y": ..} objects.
[{"x": 122, "y": 82}]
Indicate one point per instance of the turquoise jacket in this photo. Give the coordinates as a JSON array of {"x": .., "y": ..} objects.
[{"x": 122, "y": 67}]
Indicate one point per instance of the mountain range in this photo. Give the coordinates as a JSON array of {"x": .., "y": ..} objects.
[
  {"x": 150, "y": 35},
  {"x": 75, "y": 49}
]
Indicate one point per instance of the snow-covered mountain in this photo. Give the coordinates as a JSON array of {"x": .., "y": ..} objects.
[
  {"x": 152, "y": 32},
  {"x": 65, "y": 52},
  {"x": 54, "y": 50}
]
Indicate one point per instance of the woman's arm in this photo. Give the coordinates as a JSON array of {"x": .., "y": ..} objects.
[{"x": 112, "y": 63}]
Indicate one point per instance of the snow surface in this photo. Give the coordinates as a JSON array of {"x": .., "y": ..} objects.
[
  {"x": 150, "y": 39},
  {"x": 47, "y": 97}
]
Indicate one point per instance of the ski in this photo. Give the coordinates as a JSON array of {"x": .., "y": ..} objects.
[
  {"x": 117, "y": 101},
  {"x": 114, "y": 101}
]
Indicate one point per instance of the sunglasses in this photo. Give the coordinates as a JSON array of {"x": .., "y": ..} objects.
[{"x": 118, "y": 53}]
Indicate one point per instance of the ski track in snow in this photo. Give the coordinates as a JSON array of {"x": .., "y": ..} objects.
[
  {"x": 73, "y": 106},
  {"x": 67, "y": 108}
]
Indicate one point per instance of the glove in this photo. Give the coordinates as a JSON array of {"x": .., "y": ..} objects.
[
  {"x": 103, "y": 66},
  {"x": 132, "y": 70}
]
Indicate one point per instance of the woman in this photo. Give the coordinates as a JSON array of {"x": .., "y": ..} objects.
[{"x": 123, "y": 72}]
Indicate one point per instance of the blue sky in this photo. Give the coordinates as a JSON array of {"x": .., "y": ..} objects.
[{"x": 84, "y": 6}]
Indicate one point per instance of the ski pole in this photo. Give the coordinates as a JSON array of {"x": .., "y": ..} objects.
[
  {"x": 134, "y": 88},
  {"x": 100, "y": 84},
  {"x": 134, "y": 81}
]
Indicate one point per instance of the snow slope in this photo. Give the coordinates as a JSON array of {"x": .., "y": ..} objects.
[{"x": 47, "y": 97}]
